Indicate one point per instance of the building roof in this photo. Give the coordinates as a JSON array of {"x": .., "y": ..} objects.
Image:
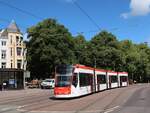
[
  {"x": 13, "y": 27},
  {"x": 3, "y": 33}
]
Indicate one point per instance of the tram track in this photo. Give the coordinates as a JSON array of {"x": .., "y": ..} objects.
[
  {"x": 100, "y": 99},
  {"x": 4, "y": 94},
  {"x": 123, "y": 104},
  {"x": 22, "y": 98},
  {"x": 24, "y": 101},
  {"x": 107, "y": 107},
  {"x": 39, "y": 104},
  {"x": 120, "y": 94},
  {"x": 42, "y": 105},
  {"x": 85, "y": 107},
  {"x": 18, "y": 97},
  {"x": 45, "y": 104}
]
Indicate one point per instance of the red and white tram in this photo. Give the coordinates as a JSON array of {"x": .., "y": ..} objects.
[
  {"x": 100, "y": 79},
  {"x": 112, "y": 79},
  {"x": 77, "y": 80},
  {"x": 123, "y": 79}
]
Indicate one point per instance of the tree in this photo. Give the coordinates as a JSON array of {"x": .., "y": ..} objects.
[
  {"x": 50, "y": 44},
  {"x": 105, "y": 50},
  {"x": 80, "y": 49}
]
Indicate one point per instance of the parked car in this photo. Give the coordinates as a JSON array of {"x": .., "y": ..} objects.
[
  {"x": 33, "y": 84},
  {"x": 48, "y": 83}
]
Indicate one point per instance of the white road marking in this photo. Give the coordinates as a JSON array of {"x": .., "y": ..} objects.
[
  {"x": 19, "y": 107},
  {"x": 52, "y": 111},
  {"x": 111, "y": 109},
  {"x": 5, "y": 109}
]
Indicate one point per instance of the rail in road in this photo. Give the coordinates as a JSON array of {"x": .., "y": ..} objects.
[
  {"x": 39, "y": 101},
  {"x": 139, "y": 102}
]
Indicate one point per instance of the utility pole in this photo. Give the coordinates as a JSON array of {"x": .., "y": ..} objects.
[{"x": 94, "y": 62}]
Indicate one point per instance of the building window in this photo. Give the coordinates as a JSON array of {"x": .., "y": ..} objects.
[
  {"x": 11, "y": 52},
  {"x": 21, "y": 39},
  {"x": 3, "y": 64},
  {"x": 19, "y": 62},
  {"x": 3, "y": 43},
  {"x": 3, "y": 55},
  {"x": 19, "y": 51},
  {"x": 24, "y": 52},
  {"x": 17, "y": 39},
  {"x": 11, "y": 39},
  {"x": 11, "y": 64}
]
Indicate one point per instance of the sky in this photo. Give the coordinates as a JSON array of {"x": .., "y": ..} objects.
[{"x": 126, "y": 19}]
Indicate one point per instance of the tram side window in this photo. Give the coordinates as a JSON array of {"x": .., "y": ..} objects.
[
  {"x": 123, "y": 78},
  {"x": 101, "y": 79},
  {"x": 75, "y": 79},
  {"x": 85, "y": 79},
  {"x": 114, "y": 79}
]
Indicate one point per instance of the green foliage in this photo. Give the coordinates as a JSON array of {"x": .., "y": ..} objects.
[
  {"x": 105, "y": 50},
  {"x": 50, "y": 43}
]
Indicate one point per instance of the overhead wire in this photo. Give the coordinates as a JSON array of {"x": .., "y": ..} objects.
[
  {"x": 40, "y": 18},
  {"x": 86, "y": 14},
  {"x": 20, "y": 10}
]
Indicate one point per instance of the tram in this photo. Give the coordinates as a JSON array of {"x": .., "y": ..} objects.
[
  {"x": 78, "y": 80},
  {"x": 123, "y": 79}
]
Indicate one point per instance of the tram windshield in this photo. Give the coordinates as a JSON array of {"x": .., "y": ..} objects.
[
  {"x": 63, "y": 81},
  {"x": 64, "y": 70},
  {"x": 63, "y": 75}
]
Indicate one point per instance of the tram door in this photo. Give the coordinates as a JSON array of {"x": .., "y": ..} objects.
[
  {"x": 109, "y": 81},
  {"x": 92, "y": 82},
  {"x": 120, "y": 81},
  {"x": 98, "y": 82}
]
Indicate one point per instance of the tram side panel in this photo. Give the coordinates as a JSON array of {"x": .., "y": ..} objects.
[
  {"x": 123, "y": 79},
  {"x": 85, "y": 81},
  {"x": 101, "y": 80},
  {"x": 75, "y": 85},
  {"x": 112, "y": 79}
]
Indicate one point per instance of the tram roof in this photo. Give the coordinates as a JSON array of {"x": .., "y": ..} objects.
[
  {"x": 83, "y": 66},
  {"x": 122, "y": 73},
  {"x": 110, "y": 71}
]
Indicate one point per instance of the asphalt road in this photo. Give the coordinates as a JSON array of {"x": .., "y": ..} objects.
[
  {"x": 139, "y": 102},
  {"x": 132, "y": 99}
]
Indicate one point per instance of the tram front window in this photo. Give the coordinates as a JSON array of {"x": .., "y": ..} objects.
[
  {"x": 64, "y": 70},
  {"x": 63, "y": 75},
  {"x": 63, "y": 81}
]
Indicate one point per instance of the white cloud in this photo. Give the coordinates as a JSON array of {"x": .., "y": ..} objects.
[{"x": 138, "y": 8}]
